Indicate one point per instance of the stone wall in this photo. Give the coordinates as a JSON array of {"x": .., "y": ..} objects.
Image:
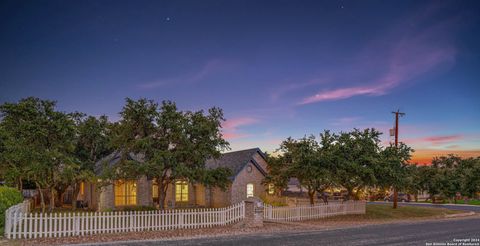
[
  {"x": 239, "y": 185},
  {"x": 144, "y": 192},
  {"x": 253, "y": 213},
  {"x": 107, "y": 198}
]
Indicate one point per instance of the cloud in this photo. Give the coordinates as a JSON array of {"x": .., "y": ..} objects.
[
  {"x": 290, "y": 87},
  {"x": 410, "y": 52},
  {"x": 209, "y": 68},
  {"x": 438, "y": 140},
  {"x": 231, "y": 127}
]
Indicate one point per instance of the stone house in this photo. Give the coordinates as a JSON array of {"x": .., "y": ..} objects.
[{"x": 248, "y": 167}]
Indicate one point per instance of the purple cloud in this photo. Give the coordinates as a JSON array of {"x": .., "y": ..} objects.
[{"x": 410, "y": 53}]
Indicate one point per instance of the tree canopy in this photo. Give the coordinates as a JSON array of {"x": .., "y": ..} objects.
[{"x": 173, "y": 144}]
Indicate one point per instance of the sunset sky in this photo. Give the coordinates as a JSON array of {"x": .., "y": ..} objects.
[{"x": 277, "y": 68}]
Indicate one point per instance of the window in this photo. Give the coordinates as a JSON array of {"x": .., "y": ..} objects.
[
  {"x": 82, "y": 188},
  {"x": 125, "y": 193},
  {"x": 271, "y": 189},
  {"x": 249, "y": 190},
  {"x": 181, "y": 191},
  {"x": 154, "y": 191}
]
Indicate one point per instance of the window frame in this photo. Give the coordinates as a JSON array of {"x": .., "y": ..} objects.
[
  {"x": 182, "y": 194},
  {"x": 252, "y": 190},
  {"x": 128, "y": 197}
]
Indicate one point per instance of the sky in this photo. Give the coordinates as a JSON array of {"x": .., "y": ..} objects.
[{"x": 276, "y": 68}]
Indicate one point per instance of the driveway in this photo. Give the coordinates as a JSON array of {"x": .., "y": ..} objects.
[
  {"x": 472, "y": 208},
  {"x": 440, "y": 232}
]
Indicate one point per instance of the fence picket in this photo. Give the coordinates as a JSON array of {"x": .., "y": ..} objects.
[
  {"x": 312, "y": 212},
  {"x": 19, "y": 223}
]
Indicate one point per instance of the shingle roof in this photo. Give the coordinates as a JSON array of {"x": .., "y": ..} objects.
[
  {"x": 112, "y": 159},
  {"x": 236, "y": 160}
]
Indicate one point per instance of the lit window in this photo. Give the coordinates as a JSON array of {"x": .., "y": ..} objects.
[
  {"x": 181, "y": 191},
  {"x": 249, "y": 190},
  {"x": 125, "y": 193},
  {"x": 271, "y": 189},
  {"x": 82, "y": 188},
  {"x": 155, "y": 191}
]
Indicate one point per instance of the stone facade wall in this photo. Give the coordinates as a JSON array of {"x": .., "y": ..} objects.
[
  {"x": 201, "y": 196},
  {"x": 220, "y": 198},
  {"x": 144, "y": 192},
  {"x": 253, "y": 213},
  {"x": 239, "y": 185},
  {"x": 106, "y": 199}
]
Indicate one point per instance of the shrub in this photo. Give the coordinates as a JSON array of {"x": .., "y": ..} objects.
[{"x": 8, "y": 197}]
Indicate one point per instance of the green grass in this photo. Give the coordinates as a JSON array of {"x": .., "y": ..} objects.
[
  {"x": 471, "y": 202},
  {"x": 386, "y": 212}
]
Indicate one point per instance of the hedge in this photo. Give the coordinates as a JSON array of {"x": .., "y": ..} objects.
[{"x": 8, "y": 197}]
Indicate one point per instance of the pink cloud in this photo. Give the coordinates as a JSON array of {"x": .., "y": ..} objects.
[
  {"x": 437, "y": 140},
  {"x": 231, "y": 127},
  {"x": 410, "y": 53},
  {"x": 280, "y": 91},
  {"x": 237, "y": 122},
  {"x": 208, "y": 69}
]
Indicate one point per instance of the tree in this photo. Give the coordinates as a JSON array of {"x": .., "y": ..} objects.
[
  {"x": 355, "y": 158},
  {"x": 393, "y": 171},
  {"x": 448, "y": 176},
  {"x": 277, "y": 172},
  {"x": 469, "y": 176},
  {"x": 413, "y": 181},
  {"x": 40, "y": 140},
  {"x": 307, "y": 160},
  {"x": 93, "y": 137},
  {"x": 173, "y": 144}
]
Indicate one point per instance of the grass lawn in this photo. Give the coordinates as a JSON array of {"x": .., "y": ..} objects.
[
  {"x": 471, "y": 202},
  {"x": 386, "y": 212}
]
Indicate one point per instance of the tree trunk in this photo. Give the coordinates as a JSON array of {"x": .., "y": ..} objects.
[
  {"x": 59, "y": 198},
  {"x": 395, "y": 198},
  {"x": 76, "y": 190},
  {"x": 311, "y": 196},
  {"x": 349, "y": 194},
  {"x": 20, "y": 184},
  {"x": 416, "y": 197},
  {"x": 52, "y": 199},
  {"x": 162, "y": 194},
  {"x": 42, "y": 199}
]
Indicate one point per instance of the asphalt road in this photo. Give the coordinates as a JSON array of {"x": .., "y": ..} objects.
[
  {"x": 444, "y": 231},
  {"x": 448, "y": 206}
]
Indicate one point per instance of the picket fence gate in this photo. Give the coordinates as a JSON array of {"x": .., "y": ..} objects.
[
  {"x": 313, "y": 212},
  {"x": 22, "y": 224}
]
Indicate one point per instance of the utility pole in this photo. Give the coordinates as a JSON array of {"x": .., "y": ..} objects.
[{"x": 395, "y": 191}]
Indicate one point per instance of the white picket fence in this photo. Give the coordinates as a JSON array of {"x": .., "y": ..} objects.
[
  {"x": 313, "y": 212},
  {"x": 22, "y": 224},
  {"x": 11, "y": 222}
]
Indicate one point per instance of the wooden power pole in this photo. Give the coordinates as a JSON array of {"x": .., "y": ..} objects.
[{"x": 395, "y": 191}]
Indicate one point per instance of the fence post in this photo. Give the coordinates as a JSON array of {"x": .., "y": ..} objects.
[{"x": 7, "y": 223}]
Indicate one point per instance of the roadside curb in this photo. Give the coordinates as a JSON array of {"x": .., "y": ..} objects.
[{"x": 459, "y": 215}]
